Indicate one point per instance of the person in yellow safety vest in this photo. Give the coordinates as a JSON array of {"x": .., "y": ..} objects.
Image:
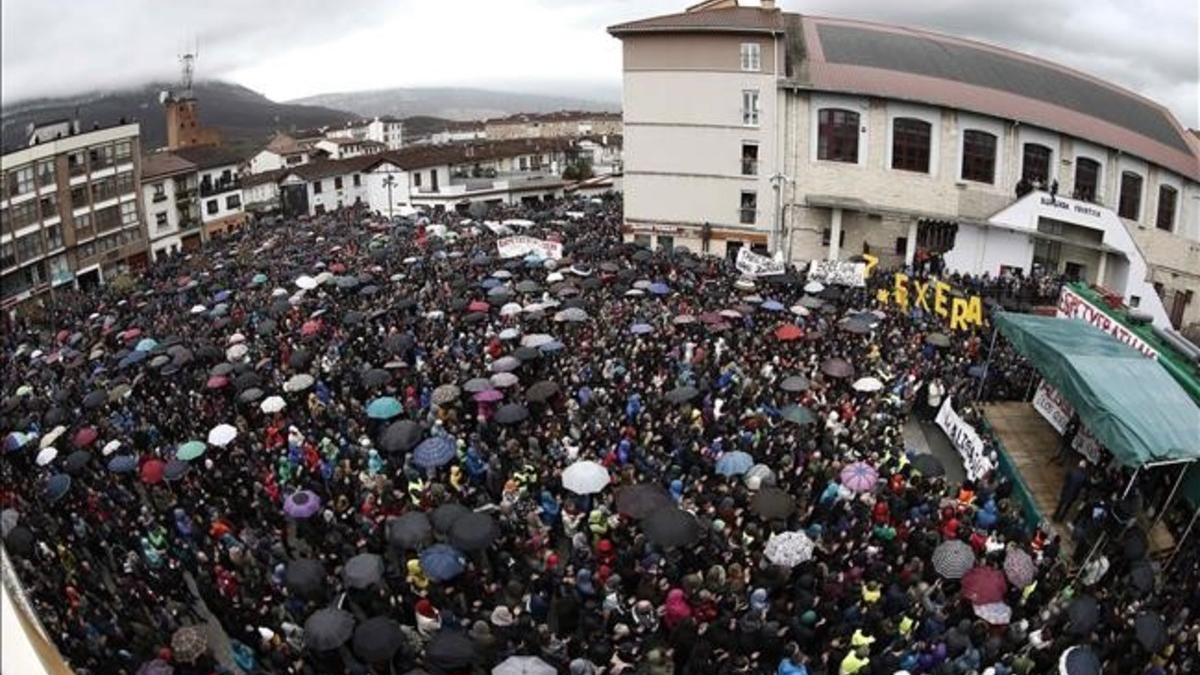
[
  {"x": 855, "y": 662},
  {"x": 861, "y": 639},
  {"x": 906, "y": 626},
  {"x": 527, "y": 475},
  {"x": 597, "y": 523},
  {"x": 871, "y": 592},
  {"x": 416, "y": 489}
]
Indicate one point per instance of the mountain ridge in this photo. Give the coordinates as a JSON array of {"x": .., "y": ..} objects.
[{"x": 455, "y": 103}]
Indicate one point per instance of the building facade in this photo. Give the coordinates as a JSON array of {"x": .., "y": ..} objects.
[
  {"x": 280, "y": 152},
  {"x": 860, "y": 142},
  {"x": 219, "y": 187},
  {"x": 170, "y": 195},
  {"x": 348, "y": 148},
  {"x": 560, "y": 124},
  {"x": 70, "y": 212},
  {"x": 387, "y": 131}
]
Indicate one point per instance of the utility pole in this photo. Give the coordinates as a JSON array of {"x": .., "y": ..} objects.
[
  {"x": 777, "y": 182},
  {"x": 389, "y": 182}
]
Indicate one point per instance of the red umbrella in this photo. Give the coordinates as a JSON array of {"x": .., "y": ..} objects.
[
  {"x": 63, "y": 335},
  {"x": 217, "y": 381},
  {"x": 131, "y": 334},
  {"x": 788, "y": 332},
  {"x": 478, "y": 306},
  {"x": 85, "y": 437},
  {"x": 984, "y": 585},
  {"x": 310, "y": 327},
  {"x": 711, "y": 318},
  {"x": 337, "y": 268},
  {"x": 152, "y": 471}
]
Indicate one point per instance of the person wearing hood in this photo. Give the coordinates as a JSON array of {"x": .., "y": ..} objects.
[
  {"x": 428, "y": 618},
  {"x": 676, "y": 608}
]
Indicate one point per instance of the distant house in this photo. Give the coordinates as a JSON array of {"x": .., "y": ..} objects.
[
  {"x": 386, "y": 130},
  {"x": 282, "y": 151},
  {"x": 219, "y": 186},
  {"x": 459, "y": 132},
  {"x": 346, "y": 148},
  {"x": 171, "y": 201},
  {"x": 560, "y": 124}
]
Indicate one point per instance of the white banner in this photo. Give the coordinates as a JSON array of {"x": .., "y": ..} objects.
[
  {"x": 840, "y": 272},
  {"x": 1053, "y": 406},
  {"x": 1074, "y": 306},
  {"x": 966, "y": 440},
  {"x": 521, "y": 246},
  {"x": 752, "y": 264}
]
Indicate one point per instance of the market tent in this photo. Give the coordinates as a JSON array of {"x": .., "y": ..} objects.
[{"x": 1128, "y": 402}]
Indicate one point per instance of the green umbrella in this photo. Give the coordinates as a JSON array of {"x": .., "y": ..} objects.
[
  {"x": 190, "y": 450},
  {"x": 797, "y": 414},
  {"x": 259, "y": 278},
  {"x": 384, "y": 408}
]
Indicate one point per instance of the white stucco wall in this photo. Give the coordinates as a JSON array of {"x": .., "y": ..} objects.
[{"x": 983, "y": 250}]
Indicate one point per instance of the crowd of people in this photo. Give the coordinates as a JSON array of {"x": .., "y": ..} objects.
[{"x": 347, "y": 445}]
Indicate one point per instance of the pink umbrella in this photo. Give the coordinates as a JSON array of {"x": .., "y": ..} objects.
[
  {"x": 478, "y": 306},
  {"x": 489, "y": 396},
  {"x": 85, "y": 437},
  {"x": 984, "y": 585},
  {"x": 217, "y": 381},
  {"x": 131, "y": 334},
  {"x": 311, "y": 327},
  {"x": 860, "y": 477}
]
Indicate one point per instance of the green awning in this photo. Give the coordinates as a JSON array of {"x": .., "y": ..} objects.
[{"x": 1129, "y": 402}]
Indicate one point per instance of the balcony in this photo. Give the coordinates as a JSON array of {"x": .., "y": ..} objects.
[
  {"x": 185, "y": 194},
  {"x": 186, "y": 224},
  {"x": 210, "y": 188}
]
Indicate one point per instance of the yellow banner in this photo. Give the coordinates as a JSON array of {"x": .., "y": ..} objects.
[{"x": 933, "y": 296}]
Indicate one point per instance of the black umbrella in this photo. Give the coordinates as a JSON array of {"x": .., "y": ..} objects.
[
  {"x": 671, "y": 527},
  {"x": 377, "y": 640},
  {"x": 526, "y": 354},
  {"x": 682, "y": 394},
  {"x": 247, "y": 381},
  {"x": 639, "y": 501},
  {"x": 1083, "y": 613},
  {"x": 854, "y": 326},
  {"x": 19, "y": 541},
  {"x": 300, "y": 359},
  {"x": 1151, "y": 631},
  {"x": 400, "y": 436},
  {"x": 1141, "y": 576},
  {"x": 265, "y": 327},
  {"x": 250, "y": 395},
  {"x": 327, "y": 629},
  {"x": 353, "y": 317},
  {"x": 450, "y": 650},
  {"x": 473, "y": 532},
  {"x": 928, "y": 465},
  {"x": 95, "y": 399},
  {"x": 444, "y": 516},
  {"x": 772, "y": 504},
  {"x": 411, "y": 531},
  {"x": 794, "y": 383},
  {"x": 938, "y": 339},
  {"x": 477, "y": 384},
  {"x": 838, "y": 368},
  {"x": 176, "y": 469},
  {"x": 541, "y": 391},
  {"x": 363, "y": 570},
  {"x": 57, "y": 486},
  {"x": 54, "y": 417},
  {"x": 305, "y": 578},
  {"x": 77, "y": 461},
  {"x": 512, "y": 413},
  {"x": 1134, "y": 545},
  {"x": 375, "y": 377},
  {"x": 221, "y": 369},
  {"x": 1079, "y": 661}
]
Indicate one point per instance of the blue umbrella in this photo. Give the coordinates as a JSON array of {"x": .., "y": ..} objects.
[
  {"x": 123, "y": 464},
  {"x": 132, "y": 358},
  {"x": 434, "y": 452},
  {"x": 384, "y": 408},
  {"x": 734, "y": 463},
  {"x": 221, "y": 296},
  {"x": 659, "y": 288},
  {"x": 259, "y": 278},
  {"x": 772, "y": 305},
  {"x": 490, "y": 283},
  {"x": 220, "y": 310},
  {"x": 146, "y": 344},
  {"x": 57, "y": 486},
  {"x": 15, "y": 441},
  {"x": 641, "y": 329},
  {"x": 442, "y": 563},
  {"x": 552, "y": 346}
]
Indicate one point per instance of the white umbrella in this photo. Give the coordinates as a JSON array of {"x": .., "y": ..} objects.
[
  {"x": 222, "y": 435},
  {"x": 237, "y": 338},
  {"x": 799, "y": 310},
  {"x": 54, "y": 435},
  {"x": 298, "y": 383},
  {"x": 758, "y": 476},
  {"x": 322, "y": 278},
  {"x": 585, "y": 477},
  {"x": 524, "y": 665},
  {"x": 554, "y": 277},
  {"x": 510, "y": 334},
  {"x": 503, "y": 380},
  {"x": 110, "y": 447},
  {"x": 237, "y": 352},
  {"x": 744, "y": 284},
  {"x": 536, "y": 340},
  {"x": 511, "y": 309},
  {"x": 789, "y": 549},
  {"x": 868, "y": 384},
  {"x": 199, "y": 309},
  {"x": 46, "y": 455},
  {"x": 306, "y": 282},
  {"x": 278, "y": 292},
  {"x": 272, "y": 404},
  {"x": 814, "y": 287}
]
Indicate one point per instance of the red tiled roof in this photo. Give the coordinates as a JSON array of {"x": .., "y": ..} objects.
[{"x": 161, "y": 164}]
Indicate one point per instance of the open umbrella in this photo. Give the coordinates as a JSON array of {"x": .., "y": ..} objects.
[
  {"x": 585, "y": 477},
  {"x": 995, "y": 613},
  {"x": 45, "y": 456},
  {"x": 513, "y": 413},
  {"x": 272, "y": 404},
  {"x": 797, "y": 414},
  {"x": 305, "y": 578},
  {"x": 57, "y": 486},
  {"x": 95, "y": 399},
  {"x": 410, "y": 531},
  {"x": 859, "y": 477},
  {"x": 445, "y": 394},
  {"x": 363, "y": 570},
  {"x": 188, "y": 644},
  {"x": 434, "y": 451},
  {"x": 298, "y": 383},
  {"x": 938, "y": 339},
  {"x": 789, "y": 549},
  {"x": 375, "y": 377},
  {"x": 1019, "y": 567},
  {"x": 671, "y": 527},
  {"x": 442, "y": 563},
  {"x": 506, "y": 380},
  {"x": 734, "y": 463},
  {"x": 953, "y": 558},
  {"x": 76, "y": 462},
  {"x": 837, "y": 368},
  {"x": 682, "y": 394},
  {"x": 1150, "y": 631},
  {"x": 505, "y": 364},
  {"x": 541, "y": 392},
  {"x": 524, "y": 665},
  {"x": 771, "y": 503},
  {"x": 1079, "y": 660},
  {"x": 302, "y": 504},
  {"x": 928, "y": 465},
  {"x": 476, "y": 385},
  {"x": 444, "y": 516},
  {"x": 85, "y": 437},
  {"x": 222, "y": 435},
  {"x": 794, "y": 384},
  {"x": 473, "y": 532},
  {"x": 384, "y": 408},
  {"x": 377, "y": 640},
  {"x": 983, "y": 585},
  {"x": 1082, "y": 615},
  {"x": 176, "y": 469},
  {"x": 123, "y": 464},
  {"x": 1142, "y": 576},
  {"x": 400, "y": 436},
  {"x": 328, "y": 628},
  {"x": 867, "y": 384},
  {"x": 788, "y": 332},
  {"x": 450, "y": 650},
  {"x": 639, "y": 501}
]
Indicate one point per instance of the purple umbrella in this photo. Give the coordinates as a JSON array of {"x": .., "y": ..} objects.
[
  {"x": 859, "y": 477},
  {"x": 489, "y": 396},
  {"x": 302, "y": 504}
]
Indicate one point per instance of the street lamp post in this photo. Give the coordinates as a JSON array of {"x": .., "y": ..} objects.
[
  {"x": 389, "y": 181},
  {"x": 777, "y": 182}
]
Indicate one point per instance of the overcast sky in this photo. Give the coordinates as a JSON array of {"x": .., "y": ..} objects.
[{"x": 292, "y": 48}]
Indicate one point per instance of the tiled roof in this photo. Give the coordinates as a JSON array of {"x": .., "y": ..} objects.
[
  {"x": 161, "y": 164},
  {"x": 209, "y": 156},
  {"x": 730, "y": 19},
  {"x": 283, "y": 144}
]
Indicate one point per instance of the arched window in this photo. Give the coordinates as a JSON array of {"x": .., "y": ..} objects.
[
  {"x": 1087, "y": 178},
  {"x": 1166, "y": 207},
  {"x": 1035, "y": 163},
  {"x": 1130, "y": 204},
  {"x": 979, "y": 156},
  {"x": 837, "y": 135},
  {"x": 910, "y": 144}
]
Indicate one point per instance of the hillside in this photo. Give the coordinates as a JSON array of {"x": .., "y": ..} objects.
[
  {"x": 244, "y": 116},
  {"x": 456, "y": 103}
]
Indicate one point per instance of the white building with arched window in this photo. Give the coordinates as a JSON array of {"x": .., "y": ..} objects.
[{"x": 812, "y": 137}]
